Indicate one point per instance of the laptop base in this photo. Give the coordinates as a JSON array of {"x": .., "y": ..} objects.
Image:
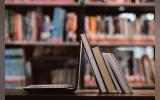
[{"x": 49, "y": 89}]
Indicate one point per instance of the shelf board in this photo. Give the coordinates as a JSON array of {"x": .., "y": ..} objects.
[
  {"x": 77, "y": 4},
  {"x": 134, "y": 86},
  {"x": 116, "y": 8},
  {"x": 75, "y": 44},
  {"x": 119, "y": 5},
  {"x": 14, "y": 91},
  {"x": 88, "y": 92},
  {"x": 121, "y": 44},
  {"x": 143, "y": 86},
  {"x": 41, "y": 4},
  {"x": 40, "y": 44}
]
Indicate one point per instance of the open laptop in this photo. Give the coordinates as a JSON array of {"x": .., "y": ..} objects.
[{"x": 57, "y": 88}]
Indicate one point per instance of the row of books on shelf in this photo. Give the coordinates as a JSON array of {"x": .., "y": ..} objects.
[
  {"x": 136, "y": 64},
  {"x": 126, "y": 27},
  {"x": 34, "y": 26},
  {"x": 39, "y": 1},
  {"x": 73, "y": 1},
  {"x": 119, "y": 1}
]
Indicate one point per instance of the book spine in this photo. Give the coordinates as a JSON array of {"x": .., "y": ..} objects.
[
  {"x": 129, "y": 90},
  {"x": 14, "y": 69},
  {"x": 104, "y": 70},
  {"x": 34, "y": 25},
  {"x": 112, "y": 74},
  {"x": 93, "y": 63},
  {"x": 58, "y": 25}
]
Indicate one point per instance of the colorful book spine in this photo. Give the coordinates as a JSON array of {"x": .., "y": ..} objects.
[
  {"x": 14, "y": 68},
  {"x": 58, "y": 25},
  {"x": 17, "y": 22}
]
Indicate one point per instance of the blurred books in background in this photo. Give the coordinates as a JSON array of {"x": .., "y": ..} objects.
[
  {"x": 137, "y": 64},
  {"x": 126, "y": 27},
  {"x": 50, "y": 23},
  {"x": 33, "y": 26}
]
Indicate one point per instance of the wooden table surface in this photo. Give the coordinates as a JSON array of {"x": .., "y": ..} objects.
[{"x": 85, "y": 94}]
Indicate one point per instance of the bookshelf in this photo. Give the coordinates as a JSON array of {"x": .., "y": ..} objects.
[{"x": 91, "y": 9}]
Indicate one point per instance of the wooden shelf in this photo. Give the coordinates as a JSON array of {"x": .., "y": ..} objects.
[
  {"x": 41, "y": 4},
  {"x": 119, "y": 8},
  {"x": 82, "y": 94},
  {"x": 40, "y": 44},
  {"x": 143, "y": 86},
  {"x": 88, "y": 92},
  {"x": 77, "y": 4},
  {"x": 75, "y": 44},
  {"x": 121, "y": 44},
  {"x": 119, "y": 5},
  {"x": 135, "y": 86}
]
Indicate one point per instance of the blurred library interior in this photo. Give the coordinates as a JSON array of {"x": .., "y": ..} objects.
[{"x": 42, "y": 40}]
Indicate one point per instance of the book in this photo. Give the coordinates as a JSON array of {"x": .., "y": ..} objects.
[
  {"x": 93, "y": 63},
  {"x": 146, "y": 63},
  {"x": 119, "y": 75},
  {"x": 90, "y": 28},
  {"x": 34, "y": 17},
  {"x": 46, "y": 28},
  {"x": 112, "y": 74},
  {"x": 58, "y": 25},
  {"x": 104, "y": 70},
  {"x": 17, "y": 22},
  {"x": 6, "y": 30},
  {"x": 6, "y": 25},
  {"x": 14, "y": 68},
  {"x": 147, "y": 24},
  {"x": 71, "y": 27}
]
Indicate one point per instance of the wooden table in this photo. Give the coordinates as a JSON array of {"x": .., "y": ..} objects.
[{"x": 81, "y": 95}]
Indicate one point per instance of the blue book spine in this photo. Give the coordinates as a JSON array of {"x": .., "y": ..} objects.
[
  {"x": 58, "y": 24},
  {"x": 6, "y": 68},
  {"x": 14, "y": 68}
]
